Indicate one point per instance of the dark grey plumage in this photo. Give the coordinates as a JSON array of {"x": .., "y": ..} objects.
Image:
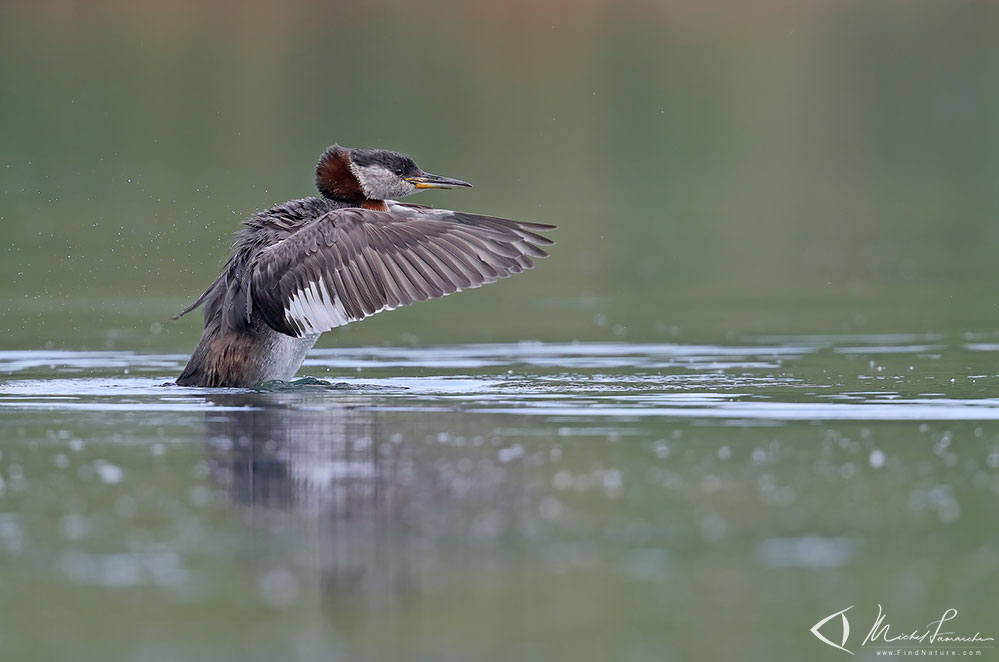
[{"x": 361, "y": 262}]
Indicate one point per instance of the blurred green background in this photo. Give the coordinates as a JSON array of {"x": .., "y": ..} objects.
[{"x": 716, "y": 170}]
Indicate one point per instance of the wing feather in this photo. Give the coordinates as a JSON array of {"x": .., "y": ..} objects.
[
  {"x": 447, "y": 279},
  {"x": 352, "y": 263},
  {"x": 394, "y": 296}
]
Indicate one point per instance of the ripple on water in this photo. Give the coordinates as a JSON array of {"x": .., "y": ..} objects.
[{"x": 773, "y": 380}]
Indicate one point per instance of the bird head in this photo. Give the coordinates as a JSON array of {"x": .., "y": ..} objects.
[{"x": 352, "y": 174}]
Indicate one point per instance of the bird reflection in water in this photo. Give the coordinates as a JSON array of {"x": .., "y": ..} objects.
[{"x": 386, "y": 497}]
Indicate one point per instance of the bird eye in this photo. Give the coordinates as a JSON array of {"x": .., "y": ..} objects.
[{"x": 399, "y": 171}]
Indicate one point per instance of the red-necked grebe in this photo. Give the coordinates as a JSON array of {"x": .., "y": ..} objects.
[{"x": 314, "y": 264}]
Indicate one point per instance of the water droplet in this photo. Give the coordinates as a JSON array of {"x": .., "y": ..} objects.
[
  {"x": 510, "y": 454},
  {"x": 877, "y": 459},
  {"x": 109, "y": 474}
]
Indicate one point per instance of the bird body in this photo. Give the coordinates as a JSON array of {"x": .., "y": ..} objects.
[{"x": 311, "y": 265}]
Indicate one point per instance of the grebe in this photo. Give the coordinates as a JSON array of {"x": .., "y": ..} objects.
[{"x": 314, "y": 264}]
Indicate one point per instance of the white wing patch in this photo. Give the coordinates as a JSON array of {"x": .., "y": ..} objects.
[
  {"x": 397, "y": 209},
  {"x": 312, "y": 313}
]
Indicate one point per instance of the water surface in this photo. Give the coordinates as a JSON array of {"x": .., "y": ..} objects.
[{"x": 503, "y": 501}]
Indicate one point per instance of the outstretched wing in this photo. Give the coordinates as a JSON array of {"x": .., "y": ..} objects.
[{"x": 352, "y": 263}]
